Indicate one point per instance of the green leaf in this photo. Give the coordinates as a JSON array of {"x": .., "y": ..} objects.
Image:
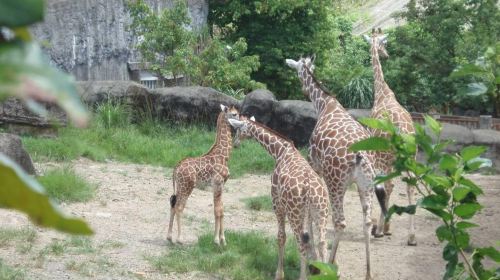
[
  {"x": 448, "y": 163},
  {"x": 371, "y": 144},
  {"x": 468, "y": 70},
  {"x": 477, "y": 163},
  {"x": 434, "y": 125},
  {"x": 26, "y": 73},
  {"x": 460, "y": 192},
  {"x": 471, "y": 152},
  {"x": 395, "y": 209},
  {"x": 467, "y": 210},
  {"x": 382, "y": 178},
  {"x": 441, "y": 213},
  {"x": 21, "y": 192},
  {"x": 443, "y": 233},
  {"x": 464, "y": 225},
  {"x": 473, "y": 89},
  {"x": 433, "y": 202},
  {"x": 462, "y": 239},
  {"x": 437, "y": 180},
  {"x": 383, "y": 125},
  {"x": 327, "y": 271},
  {"x": 475, "y": 189},
  {"x": 15, "y": 13},
  {"x": 450, "y": 254},
  {"x": 490, "y": 252}
]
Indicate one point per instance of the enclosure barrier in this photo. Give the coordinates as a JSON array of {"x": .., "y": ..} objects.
[{"x": 481, "y": 122}]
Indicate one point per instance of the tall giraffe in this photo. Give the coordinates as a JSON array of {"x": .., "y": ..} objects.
[
  {"x": 386, "y": 106},
  {"x": 297, "y": 193},
  {"x": 210, "y": 168},
  {"x": 335, "y": 131}
]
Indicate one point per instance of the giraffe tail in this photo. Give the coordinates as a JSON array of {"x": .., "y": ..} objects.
[
  {"x": 173, "y": 198},
  {"x": 379, "y": 188}
]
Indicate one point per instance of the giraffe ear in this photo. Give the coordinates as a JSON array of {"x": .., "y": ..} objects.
[
  {"x": 235, "y": 123},
  {"x": 292, "y": 63},
  {"x": 367, "y": 38},
  {"x": 223, "y": 108},
  {"x": 252, "y": 118}
]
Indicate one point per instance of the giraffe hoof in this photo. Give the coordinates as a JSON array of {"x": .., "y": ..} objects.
[
  {"x": 388, "y": 233},
  {"x": 374, "y": 230},
  {"x": 223, "y": 242},
  {"x": 378, "y": 235},
  {"x": 412, "y": 241}
]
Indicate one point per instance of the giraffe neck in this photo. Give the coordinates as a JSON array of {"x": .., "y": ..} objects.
[
  {"x": 379, "y": 86},
  {"x": 275, "y": 145},
  {"x": 314, "y": 90},
  {"x": 222, "y": 146}
]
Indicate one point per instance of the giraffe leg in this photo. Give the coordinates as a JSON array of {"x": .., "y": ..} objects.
[
  {"x": 171, "y": 223},
  {"x": 280, "y": 274},
  {"x": 365, "y": 195},
  {"x": 313, "y": 252},
  {"x": 321, "y": 224},
  {"x": 388, "y": 189},
  {"x": 297, "y": 222},
  {"x": 412, "y": 241},
  {"x": 339, "y": 224},
  {"x": 178, "y": 213},
  {"x": 219, "y": 238}
]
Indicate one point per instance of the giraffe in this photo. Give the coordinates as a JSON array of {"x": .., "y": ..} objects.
[
  {"x": 210, "y": 168},
  {"x": 297, "y": 193},
  {"x": 334, "y": 132},
  {"x": 386, "y": 106}
]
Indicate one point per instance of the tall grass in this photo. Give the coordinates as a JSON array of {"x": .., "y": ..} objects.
[
  {"x": 147, "y": 142},
  {"x": 248, "y": 255},
  {"x": 64, "y": 185}
]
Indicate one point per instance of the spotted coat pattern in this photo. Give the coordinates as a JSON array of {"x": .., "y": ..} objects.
[
  {"x": 334, "y": 132},
  {"x": 386, "y": 106},
  {"x": 210, "y": 169},
  {"x": 298, "y": 195}
]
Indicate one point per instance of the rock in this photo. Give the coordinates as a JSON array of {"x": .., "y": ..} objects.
[
  {"x": 259, "y": 103},
  {"x": 17, "y": 118},
  {"x": 129, "y": 93},
  {"x": 461, "y": 134},
  {"x": 190, "y": 104},
  {"x": 294, "y": 119},
  {"x": 360, "y": 113},
  {"x": 90, "y": 38},
  {"x": 486, "y": 136},
  {"x": 11, "y": 146}
]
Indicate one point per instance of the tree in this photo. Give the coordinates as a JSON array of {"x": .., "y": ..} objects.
[
  {"x": 173, "y": 49},
  {"x": 276, "y": 30},
  {"x": 26, "y": 74}
]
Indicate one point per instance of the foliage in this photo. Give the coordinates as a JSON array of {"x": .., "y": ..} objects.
[
  {"x": 64, "y": 185},
  {"x": 26, "y": 74},
  {"x": 172, "y": 48},
  {"x": 112, "y": 114},
  {"x": 149, "y": 143},
  {"x": 259, "y": 203},
  {"x": 248, "y": 255},
  {"x": 7, "y": 272},
  {"x": 486, "y": 77},
  {"x": 446, "y": 191},
  {"x": 439, "y": 35},
  {"x": 327, "y": 271},
  {"x": 276, "y": 30}
]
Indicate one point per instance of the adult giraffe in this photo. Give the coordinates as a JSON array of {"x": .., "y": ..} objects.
[
  {"x": 386, "y": 106},
  {"x": 335, "y": 131}
]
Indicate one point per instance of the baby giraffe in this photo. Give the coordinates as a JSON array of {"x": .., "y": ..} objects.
[
  {"x": 211, "y": 169},
  {"x": 297, "y": 193}
]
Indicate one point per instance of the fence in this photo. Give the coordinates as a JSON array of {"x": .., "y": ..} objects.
[{"x": 481, "y": 122}]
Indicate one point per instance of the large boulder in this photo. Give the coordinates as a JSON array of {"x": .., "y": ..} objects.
[
  {"x": 17, "y": 118},
  {"x": 295, "y": 119},
  {"x": 260, "y": 104},
  {"x": 130, "y": 93},
  {"x": 190, "y": 104},
  {"x": 11, "y": 146}
]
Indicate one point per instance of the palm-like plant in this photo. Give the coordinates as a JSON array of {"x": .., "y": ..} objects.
[{"x": 485, "y": 74}]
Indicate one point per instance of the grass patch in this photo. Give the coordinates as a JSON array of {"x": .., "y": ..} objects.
[
  {"x": 258, "y": 203},
  {"x": 24, "y": 238},
  {"x": 64, "y": 185},
  {"x": 7, "y": 272},
  {"x": 145, "y": 143},
  {"x": 73, "y": 245},
  {"x": 248, "y": 255}
]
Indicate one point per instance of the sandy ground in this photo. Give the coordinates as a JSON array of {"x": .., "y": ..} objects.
[{"x": 130, "y": 210}]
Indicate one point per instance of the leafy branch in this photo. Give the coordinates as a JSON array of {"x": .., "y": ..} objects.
[{"x": 446, "y": 191}]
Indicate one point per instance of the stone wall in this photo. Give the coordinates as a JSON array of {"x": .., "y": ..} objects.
[{"x": 89, "y": 38}]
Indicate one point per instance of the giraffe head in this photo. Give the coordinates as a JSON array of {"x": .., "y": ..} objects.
[
  {"x": 241, "y": 124},
  {"x": 301, "y": 63},
  {"x": 380, "y": 40},
  {"x": 231, "y": 112}
]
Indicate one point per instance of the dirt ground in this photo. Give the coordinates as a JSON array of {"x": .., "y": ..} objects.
[{"x": 130, "y": 210}]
